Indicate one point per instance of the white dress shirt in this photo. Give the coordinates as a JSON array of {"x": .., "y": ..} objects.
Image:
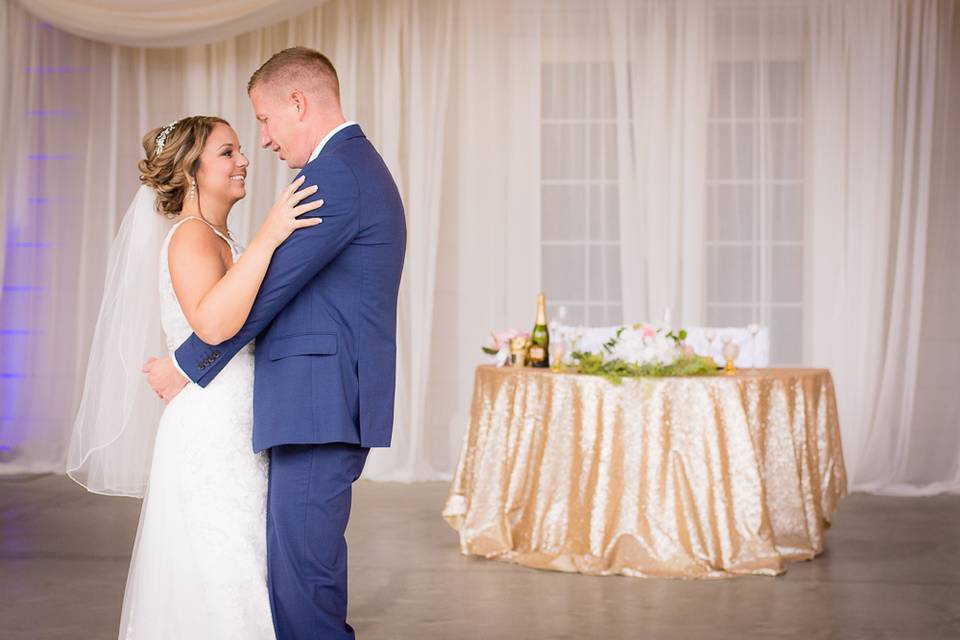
[{"x": 326, "y": 139}]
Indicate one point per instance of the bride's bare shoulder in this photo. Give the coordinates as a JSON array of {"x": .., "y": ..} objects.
[{"x": 193, "y": 240}]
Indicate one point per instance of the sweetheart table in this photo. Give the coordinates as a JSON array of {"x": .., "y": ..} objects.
[{"x": 696, "y": 477}]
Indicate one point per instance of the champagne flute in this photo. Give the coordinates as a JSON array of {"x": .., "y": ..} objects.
[
  {"x": 710, "y": 334},
  {"x": 754, "y": 329}
]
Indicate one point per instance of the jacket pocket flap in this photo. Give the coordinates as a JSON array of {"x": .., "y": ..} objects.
[{"x": 304, "y": 344}]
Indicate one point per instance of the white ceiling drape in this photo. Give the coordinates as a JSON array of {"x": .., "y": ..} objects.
[{"x": 164, "y": 23}]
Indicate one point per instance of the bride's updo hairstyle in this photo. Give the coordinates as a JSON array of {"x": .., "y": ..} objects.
[{"x": 173, "y": 153}]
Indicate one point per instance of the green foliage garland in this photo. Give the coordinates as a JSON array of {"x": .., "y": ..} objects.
[{"x": 593, "y": 364}]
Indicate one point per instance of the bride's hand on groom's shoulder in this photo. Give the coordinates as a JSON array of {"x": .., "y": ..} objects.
[
  {"x": 163, "y": 378},
  {"x": 282, "y": 219}
]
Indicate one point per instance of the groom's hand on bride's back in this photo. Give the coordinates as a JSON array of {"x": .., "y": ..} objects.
[{"x": 164, "y": 378}]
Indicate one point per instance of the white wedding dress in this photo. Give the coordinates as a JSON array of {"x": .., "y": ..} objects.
[{"x": 199, "y": 567}]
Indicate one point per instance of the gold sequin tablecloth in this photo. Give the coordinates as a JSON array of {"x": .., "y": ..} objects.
[{"x": 677, "y": 477}]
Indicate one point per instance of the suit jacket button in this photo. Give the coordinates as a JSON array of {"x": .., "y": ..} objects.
[{"x": 216, "y": 354}]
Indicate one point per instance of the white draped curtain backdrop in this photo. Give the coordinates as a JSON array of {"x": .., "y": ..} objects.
[{"x": 782, "y": 162}]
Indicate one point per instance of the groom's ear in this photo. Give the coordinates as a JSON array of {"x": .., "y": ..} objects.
[{"x": 299, "y": 100}]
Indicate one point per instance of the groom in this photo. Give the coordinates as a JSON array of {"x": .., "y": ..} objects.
[{"x": 325, "y": 327}]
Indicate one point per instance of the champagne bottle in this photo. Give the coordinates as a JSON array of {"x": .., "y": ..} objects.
[{"x": 540, "y": 337}]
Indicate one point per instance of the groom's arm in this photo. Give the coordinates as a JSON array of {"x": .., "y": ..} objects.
[{"x": 294, "y": 264}]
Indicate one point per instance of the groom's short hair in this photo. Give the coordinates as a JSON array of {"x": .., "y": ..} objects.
[{"x": 298, "y": 68}]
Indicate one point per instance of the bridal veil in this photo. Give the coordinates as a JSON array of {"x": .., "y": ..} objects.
[{"x": 116, "y": 424}]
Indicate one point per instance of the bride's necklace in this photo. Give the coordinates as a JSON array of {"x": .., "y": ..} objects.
[{"x": 222, "y": 229}]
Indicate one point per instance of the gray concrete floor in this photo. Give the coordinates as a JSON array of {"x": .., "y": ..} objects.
[{"x": 891, "y": 570}]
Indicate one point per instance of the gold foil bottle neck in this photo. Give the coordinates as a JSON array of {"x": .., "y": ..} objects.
[{"x": 541, "y": 310}]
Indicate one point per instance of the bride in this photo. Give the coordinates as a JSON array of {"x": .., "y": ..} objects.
[{"x": 199, "y": 561}]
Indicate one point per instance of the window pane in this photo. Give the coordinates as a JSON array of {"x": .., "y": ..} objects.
[
  {"x": 743, "y": 88},
  {"x": 600, "y": 96},
  {"x": 597, "y": 315},
  {"x": 787, "y": 274},
  {"x": 614, "y": 293},
  {"x": 564, "y": 91},
  {"x": 597, "y": 290},
  {"x": 729, "y": 316},
  {"x": 786, "y": 212},
  {"x": 733, "y": 94},
  {"x": 785, "y": 151},
  {"x": 786, "y": 336},
  {"x": 604, "y": 273},
  {"x": 731, "y": 274},
  {"x": 604, "y": 213},
  {"x": 563, "y": 151},
  {"x": 731, "y": 156},
  {"x": 784, "y": 87},
  {"x": 564, "y": 272},
  {"x": 603, "y": 151},
  {"x": 575, "y": 313},
  {"x": 722, "y": 106},
  {"x": 733, "y": 213},
  {"x": 563, "y": 209},
  {"x": 614, "y": 314}
]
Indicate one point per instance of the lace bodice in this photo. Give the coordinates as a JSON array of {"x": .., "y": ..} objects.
[{"x": 176, "y": 329}]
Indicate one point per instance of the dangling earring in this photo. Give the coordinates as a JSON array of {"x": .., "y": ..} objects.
[{"x": 193, "y": 190}]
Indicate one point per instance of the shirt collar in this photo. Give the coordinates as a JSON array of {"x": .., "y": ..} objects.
[{"x": 326, "y": 139}]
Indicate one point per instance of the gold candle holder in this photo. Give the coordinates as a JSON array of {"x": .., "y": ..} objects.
[
  {"x": 728, "y": 370},
  {"x": 730, "y": 352},
  {"x": 556, "y": 356},
  {"x": 518, "y": 351}
]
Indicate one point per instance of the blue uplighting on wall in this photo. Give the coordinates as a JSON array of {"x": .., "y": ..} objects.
[
  {"x": 20, "y": 288},
  {"x": 35, "y": 192},
  {"x": 12, "y": 362},
  {"x": 62, "y": 69},
  {"x": 40, "y": 113},
  {"x": 26, "y": 255},
  {"x": 45, "y": 157},
  {"x": 35, "y": 245},
  {"x": 14, "y": 338}
]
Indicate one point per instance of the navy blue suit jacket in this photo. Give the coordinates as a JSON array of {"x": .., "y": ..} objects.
[{"x": 325, "y": 317}]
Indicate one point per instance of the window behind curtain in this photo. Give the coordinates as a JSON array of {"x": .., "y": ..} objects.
[
  {"x": 754, "y": 220},
  {"x": 755, "y": 230},
  {"x": 580, "y": 231}
]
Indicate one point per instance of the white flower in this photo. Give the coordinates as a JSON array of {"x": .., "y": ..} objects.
[
  {"x": 641, "y": 346},
  {"x": 630, "y": 347},
  {"x": 500, "y": 358}
]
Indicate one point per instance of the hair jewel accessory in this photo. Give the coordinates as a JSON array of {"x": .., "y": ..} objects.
[{"x": 162, "y": 138}]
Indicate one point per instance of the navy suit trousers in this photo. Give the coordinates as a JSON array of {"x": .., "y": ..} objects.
[{"x": 308, "y": 506}]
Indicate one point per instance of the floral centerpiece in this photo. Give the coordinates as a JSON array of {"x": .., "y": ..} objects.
[
  {"x": 637, "y": 350},
  {"x": 643, "y": 350}
]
